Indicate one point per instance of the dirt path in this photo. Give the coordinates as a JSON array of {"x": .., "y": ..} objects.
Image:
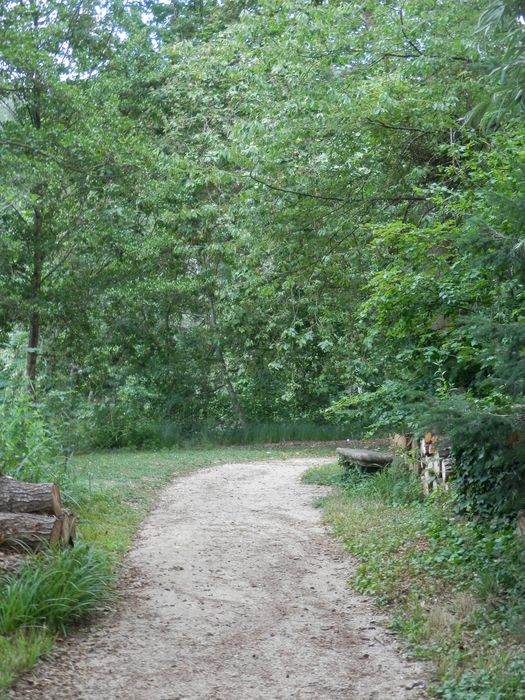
[{"x": 235, "y": 593}]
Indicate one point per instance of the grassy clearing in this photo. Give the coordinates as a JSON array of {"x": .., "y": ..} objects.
[
  {"x": 111, "y": 492},
  {"x": 455, "y": 589}
]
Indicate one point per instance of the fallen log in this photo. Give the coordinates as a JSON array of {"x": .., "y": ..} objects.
[
  {"x": 367, "y": 459},
  {"x": 21, "y": 497},
  {"x": 29, "y": 530}
]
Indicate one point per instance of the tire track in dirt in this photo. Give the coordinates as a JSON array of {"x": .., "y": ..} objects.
[{"x": 234, "y": 591}]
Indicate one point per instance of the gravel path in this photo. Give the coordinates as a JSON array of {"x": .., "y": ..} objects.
[{"x": 234, "y": 591}]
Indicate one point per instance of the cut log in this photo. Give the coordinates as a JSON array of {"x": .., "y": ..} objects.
[
  {"x": 19, "y": 530},
  {"x": 21, "y": 497},
  {"x": 68, "y": 531},
  {"x": 433, "y": 466},
  {"x": 23, "y": 530},
  {"x": 367, "y": 459},
  {"x": 428, "y": 478},
  {"x": 428, "y": 445},
  {"x": 401, "y": 442}
]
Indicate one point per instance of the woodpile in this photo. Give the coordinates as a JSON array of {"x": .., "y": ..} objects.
[
  {"x": 426, "y": 457},
  {"x": 435, "y": 462},
  {"x": 423, "y": 455},
  {"x": 32, "y": 516}
]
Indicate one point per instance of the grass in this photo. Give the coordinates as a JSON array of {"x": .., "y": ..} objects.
[
  {"x": 259, "y": 433},
  {"x": 326, "y": 475},
  {"x": 455, "y": 589},
  {"x": 163, "y": 434},
  {"x": 110, "y": 492},
  {"x": 20, "y": 651},
  {"x": 54, "y": 589}
]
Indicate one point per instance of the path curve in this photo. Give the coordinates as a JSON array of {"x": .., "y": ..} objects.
[{"x": 236, "y": 592}]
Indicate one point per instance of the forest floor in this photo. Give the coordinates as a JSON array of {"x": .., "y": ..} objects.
[{"x": 233, "y": 590}]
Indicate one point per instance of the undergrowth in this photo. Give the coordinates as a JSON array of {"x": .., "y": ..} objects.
[
  {"x": 44, "y": 597},
  {"x": 149, "y": 433},
  {"x": 455, "y": 588},
  {"x": 54, "y": 589}
]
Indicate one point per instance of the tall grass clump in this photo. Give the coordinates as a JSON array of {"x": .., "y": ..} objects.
[
  {"x": 116, "y": 429},
  {"x": 54, "y": 589},
  {"x": 20, "y": 651},
  {"x": 260, "y": 433},
  {"x": 396, "y": 485},
  {"x": 325, "y": 475}
]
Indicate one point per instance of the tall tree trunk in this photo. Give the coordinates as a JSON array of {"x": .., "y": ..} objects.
[
  {"x": 32, "y": 351},
  {"x": 223, "y": 366},
  {"x": 38, "y": 255},
  {"x": 36, "y": 285}
]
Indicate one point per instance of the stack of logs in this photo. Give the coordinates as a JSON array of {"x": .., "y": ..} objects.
[
  {"x": 32, "y": 516},
  {"x": 423, "y": 455},
  {"x": 426, "y": 457}
]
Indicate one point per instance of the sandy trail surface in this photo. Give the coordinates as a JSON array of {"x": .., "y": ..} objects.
[{"x": 234, "y": 591}]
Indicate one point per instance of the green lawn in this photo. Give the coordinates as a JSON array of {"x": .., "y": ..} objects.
[{"x": 110, "y": 492}]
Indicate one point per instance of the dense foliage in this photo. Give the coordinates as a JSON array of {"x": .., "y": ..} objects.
[{"x": 223, "y": 214}]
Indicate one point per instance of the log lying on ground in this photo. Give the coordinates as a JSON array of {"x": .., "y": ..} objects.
[
  {"x": 23, "y": 530},
  {"x": 21, "y": 497},
  {"x": 367, "y": 459}
]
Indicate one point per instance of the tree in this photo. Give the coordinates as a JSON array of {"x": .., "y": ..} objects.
[{"x": 66, "y": 149}]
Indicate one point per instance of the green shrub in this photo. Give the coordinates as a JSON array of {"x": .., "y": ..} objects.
[
  {"x": 503, "y": 681},
  {"x": 489, "y": 453},
  {"x": 28, "y": 447},
  {"x": 54, "y": 589},
  {"x": 456, "y": 586}
]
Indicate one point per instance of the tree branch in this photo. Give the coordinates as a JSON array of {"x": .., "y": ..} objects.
[
  {"x": 297, "y": 193},
  {"x": 378, "y": 122}
]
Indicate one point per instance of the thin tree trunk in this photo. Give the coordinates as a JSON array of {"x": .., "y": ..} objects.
[
  {"x": 38, "y": 256},
  {"x": 36, "y": 285},
  {"x": 223, "y": 366}
]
